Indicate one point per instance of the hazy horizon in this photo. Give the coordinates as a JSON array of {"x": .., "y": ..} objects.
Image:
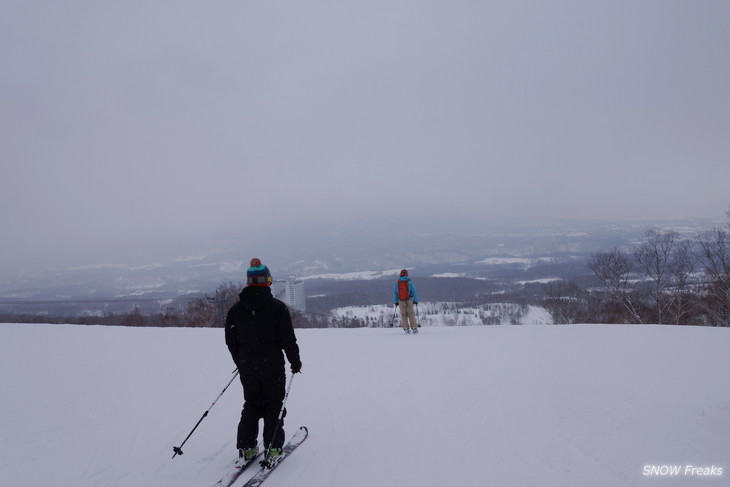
[{"x": 285, "y": 246}]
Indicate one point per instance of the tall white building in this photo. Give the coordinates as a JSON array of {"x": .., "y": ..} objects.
[{"x": 291, "y": 292}]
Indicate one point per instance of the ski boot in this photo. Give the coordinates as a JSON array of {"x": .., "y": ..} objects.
[
  {"x": 273, "y": 456},
  {"x": 246, "y": 455}
]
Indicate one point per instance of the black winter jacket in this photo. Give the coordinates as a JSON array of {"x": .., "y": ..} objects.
[{"x": 258, "y": 328}]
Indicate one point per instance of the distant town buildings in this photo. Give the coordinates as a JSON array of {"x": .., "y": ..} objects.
[{"x": 291, "y": 292}]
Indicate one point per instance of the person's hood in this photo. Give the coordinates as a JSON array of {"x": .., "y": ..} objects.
[{"x": 254, "y": 297}]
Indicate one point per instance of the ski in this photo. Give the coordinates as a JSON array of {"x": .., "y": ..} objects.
[
  {"x": 234, "y": 474},
  {"x": 266, "y": 470}
]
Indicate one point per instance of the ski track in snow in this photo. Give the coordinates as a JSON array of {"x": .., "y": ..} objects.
[{"x": 582, "y": 405}]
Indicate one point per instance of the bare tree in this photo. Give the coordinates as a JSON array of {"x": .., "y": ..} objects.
[
  {"x": 134, "y": 318},
  {"x": 681, "y": 267},
  {"x": 714, "y": 256},
  {"x": 654, "y": 258},
  {"x": 226, "y": 295},
  {"x": 201, "y": 312},
  {"x": 614, "y": 269},
  {"x": 567, "y": 303}
]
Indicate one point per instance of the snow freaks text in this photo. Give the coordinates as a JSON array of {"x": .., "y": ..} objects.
[{"x": 682, "y": 471}]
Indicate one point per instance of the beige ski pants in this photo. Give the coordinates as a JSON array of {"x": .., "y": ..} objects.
[{"x": 407, "y": 314}]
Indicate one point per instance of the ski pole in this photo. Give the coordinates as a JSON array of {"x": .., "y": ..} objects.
[
  {"x": 178, "y": 449},
  {"x": 265, "y": 461},
  {"x": 395, "y": 312}
]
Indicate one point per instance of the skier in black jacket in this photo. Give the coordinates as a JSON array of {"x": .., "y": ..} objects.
[{"x": 258, "y": 328}]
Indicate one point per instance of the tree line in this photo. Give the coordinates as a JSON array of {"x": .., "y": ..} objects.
[
  {"x": 662, "y": 280},
  {"x": 207, "y": 311}
]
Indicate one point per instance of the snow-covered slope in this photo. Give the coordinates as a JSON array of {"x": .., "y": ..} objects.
[{"x": 587, "y": 405}]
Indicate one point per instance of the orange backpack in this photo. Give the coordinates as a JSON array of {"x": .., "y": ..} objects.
[{"x": 403, "y": 294}]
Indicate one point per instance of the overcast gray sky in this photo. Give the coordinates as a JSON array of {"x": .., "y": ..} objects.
[{"x": 143, "y": 122}]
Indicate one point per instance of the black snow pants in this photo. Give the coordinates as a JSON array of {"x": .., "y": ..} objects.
[{"x": 263, "y": 396}]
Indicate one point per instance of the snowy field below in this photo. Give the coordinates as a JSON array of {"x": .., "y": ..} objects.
[
  {"x": 582, "y": 405},
  {"x": 449, "y": 314}
]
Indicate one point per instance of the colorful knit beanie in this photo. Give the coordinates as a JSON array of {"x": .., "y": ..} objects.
[{"x": 258, "y": 274}]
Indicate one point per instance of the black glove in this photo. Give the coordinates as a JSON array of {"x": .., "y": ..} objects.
[
  {"x": 396, "y": 305},
  {"x": 296, "y": 368}
]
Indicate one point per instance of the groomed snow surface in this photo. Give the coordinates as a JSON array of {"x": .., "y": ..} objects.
[{"x": 583, "y": 405}]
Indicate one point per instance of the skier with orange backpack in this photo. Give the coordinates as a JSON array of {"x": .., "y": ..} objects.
[{"x": 405, "y": 296}]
